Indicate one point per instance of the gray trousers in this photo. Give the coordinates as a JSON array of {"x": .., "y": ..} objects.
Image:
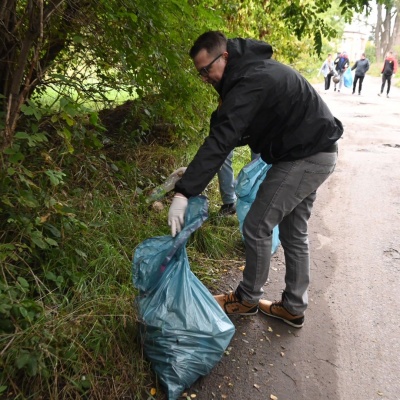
[{"x": 286, "y": 198}]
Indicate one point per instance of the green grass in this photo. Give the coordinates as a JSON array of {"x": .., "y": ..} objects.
[
  {"x": 51, "y": 97},
  {"x": 74, "y": 331}
]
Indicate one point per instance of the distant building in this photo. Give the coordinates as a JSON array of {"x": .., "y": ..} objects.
[{"x": 354, "y": 41}]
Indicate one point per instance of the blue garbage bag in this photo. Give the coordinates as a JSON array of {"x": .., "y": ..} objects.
[
  {"x": 348, "y": 78},
  {"x": 184, "y": 331},
  {"x": 247, "y": 184}
]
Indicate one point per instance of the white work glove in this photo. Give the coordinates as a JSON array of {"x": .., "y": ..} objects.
[{"x": 176, "y": 214}]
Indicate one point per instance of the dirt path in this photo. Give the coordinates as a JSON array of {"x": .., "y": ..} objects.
[{"x": 349, "y": 348}]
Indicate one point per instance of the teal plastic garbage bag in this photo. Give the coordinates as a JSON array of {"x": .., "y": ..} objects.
[
  {"x": 348, "y": 78},
  {"x": 184, "y": 331},
  {"x": 247, "y": 184}
]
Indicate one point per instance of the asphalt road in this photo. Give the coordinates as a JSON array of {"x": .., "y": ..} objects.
[{"x": 349, "y": 348}]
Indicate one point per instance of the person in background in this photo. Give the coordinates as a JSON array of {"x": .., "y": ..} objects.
[
  {"x": 328, "y": 70},
  {"x": 388, "y": 70},
  {"x": 341, "y": 64},
  {"x": 361, "y": 66},
  {"x": 276, "y": 112},
  {"x": 226, "y": 181}
]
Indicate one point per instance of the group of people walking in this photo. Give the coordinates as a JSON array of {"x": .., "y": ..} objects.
[{"x": 335, "y": 70}]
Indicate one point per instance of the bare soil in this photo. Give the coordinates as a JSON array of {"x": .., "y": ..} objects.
[{"x": 349, "y": 347}]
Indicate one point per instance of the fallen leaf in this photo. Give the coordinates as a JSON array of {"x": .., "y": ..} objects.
[
  {"x": 256, "y": 386},
  {"x": 241, "y": 268},
  {"x": 193, "y": 396},
  {"x": 153, "y": 391},
  {"x": 282, "y": 354},
  {"x": 270, "y": 329},
  {"x": 273, "y": 397},
  {"x": 158, "y": 206},
  {"x": 44, "y": 218}
]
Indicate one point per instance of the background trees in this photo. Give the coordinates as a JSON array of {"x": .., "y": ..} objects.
[{"x": 387, "y": 29}]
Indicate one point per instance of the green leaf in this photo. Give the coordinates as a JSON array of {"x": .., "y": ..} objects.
[
  {"x": 81, "y": 253},
  {"x": 31, "y": 109},
  {"x": 94, "y": 118},
  {"x": 68, "y": 119},
  {"x": 37, "y": 238},
  {"x": 22, "y": 135},
  {"x": 23, "y": 311},
  {"x": 32, "y": 138},
  {"x": 27, "y": 110},
  {"x": 50, "y": 276},
  {"x": 56, "y": 177},
  {"x": 77, "y": 39},
  {"x": 23, "y": 282},
  {"x": 51, "y": 242},
  {"x": 15, "y": 156},
  {"x": 27, "y": 199},
  {"x": 22, "y": 360},
  {"x": 5, "y": 308},
  {"x": 51, "y": 228}
]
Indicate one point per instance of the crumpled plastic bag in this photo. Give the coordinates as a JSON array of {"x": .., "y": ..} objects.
[
  {"x": 247, "y": 184},
  {"x": 184, "y": 331},
  {"x": 348, "y": 78}
]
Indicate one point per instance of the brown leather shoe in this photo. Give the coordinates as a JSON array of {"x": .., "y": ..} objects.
[
  {"x": 233, "y": 304},
  {"x": 277, "y": 310}
]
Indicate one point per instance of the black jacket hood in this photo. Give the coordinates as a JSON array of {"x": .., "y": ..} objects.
[{"x": 241, "y": 54}]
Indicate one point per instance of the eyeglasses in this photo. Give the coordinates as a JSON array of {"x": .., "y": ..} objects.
[{"x": 205, "y": 70}]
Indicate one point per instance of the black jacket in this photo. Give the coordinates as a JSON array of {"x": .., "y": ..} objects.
[
  {"x": 361, "y": 66},
  {"x": 266, "y": 105}
]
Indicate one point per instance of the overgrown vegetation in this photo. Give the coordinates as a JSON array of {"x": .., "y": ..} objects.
[{"x": 75, "y": 171}]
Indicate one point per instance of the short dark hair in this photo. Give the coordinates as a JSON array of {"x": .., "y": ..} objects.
[{"x": 212, "y": 41}]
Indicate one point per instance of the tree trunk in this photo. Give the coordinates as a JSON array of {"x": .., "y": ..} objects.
[
  {"x": 26, "y": 53},
  {"x": 387, "y": 30},
  {"x": 378, "y": 33}
]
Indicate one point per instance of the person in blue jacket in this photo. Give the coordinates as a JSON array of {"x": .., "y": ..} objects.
[
  {"x": 273, "y": 109},
  {"x": 341, "y": 64}
]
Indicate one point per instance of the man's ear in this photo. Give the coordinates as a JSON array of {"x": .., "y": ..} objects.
[{"x": 225, "y": 55}]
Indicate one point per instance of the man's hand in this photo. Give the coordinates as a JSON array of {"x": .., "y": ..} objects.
[{"x": 176, "y": 214}]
